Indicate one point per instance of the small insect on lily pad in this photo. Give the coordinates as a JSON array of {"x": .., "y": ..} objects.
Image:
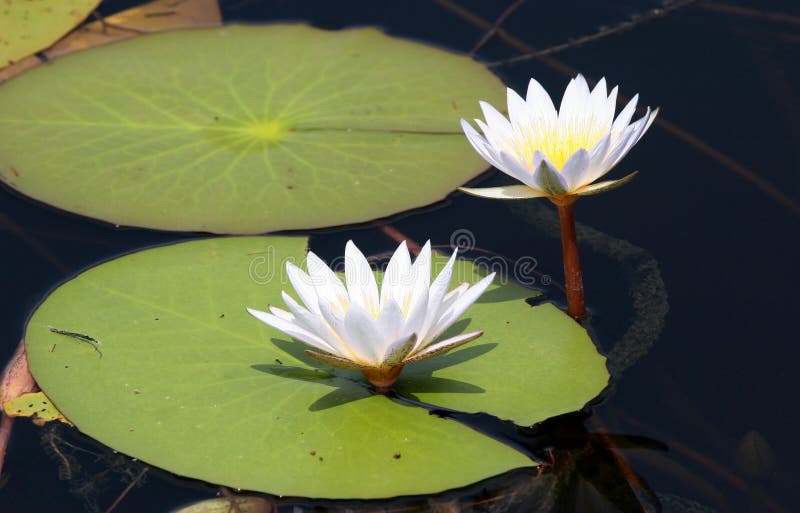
[
  {"x": 235, "y": 402},
  {"x": 244, "y": 129}
]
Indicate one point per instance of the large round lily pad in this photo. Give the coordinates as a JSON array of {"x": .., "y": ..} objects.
[
  {"x": 169, "y": 368},
  {"x": 27, "y": 26},
  {"x": 244, "y": 129}
]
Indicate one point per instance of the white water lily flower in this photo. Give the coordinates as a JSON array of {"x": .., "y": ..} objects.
[
  {"x": 557, "y": 154},
  {"x": 354, "y": 326}
]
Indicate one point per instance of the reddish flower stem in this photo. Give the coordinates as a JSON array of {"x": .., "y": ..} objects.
[{"x": 576, "y": 306}]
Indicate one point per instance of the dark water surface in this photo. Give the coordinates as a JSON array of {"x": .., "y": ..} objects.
[{"x": 697, "y": 233}]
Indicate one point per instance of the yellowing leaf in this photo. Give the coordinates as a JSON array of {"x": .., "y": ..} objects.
[
  {"x": 155, "y": 16},
  {"x": 27, "y": 26},
  {"x": 35, "y": 405}
]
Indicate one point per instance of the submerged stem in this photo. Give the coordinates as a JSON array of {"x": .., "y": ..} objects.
[{"x": 576, "y": 306}]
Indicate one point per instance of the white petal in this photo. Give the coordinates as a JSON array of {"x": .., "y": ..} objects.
[
  {"x": 625, "y": 115},
  {"x": 575, "y": 169},
  {"x": 637, "y": 131},
  {"x": 328, "y": 286},
  {"x": 436, "y": 295},
  {"x": 290, "y": 329},
  {"x": 396, "y": 283},
  {"x": 495, "y": 141},
  {"x": 361, "y": 286},
  {"x": 592, "y": 121},
  {"x": 391, "y": 322},
  {"x": 337, "y": 334},
  {"x": 481, "y": 145},
  {"x": 597, "y": 157},
  {"x": 460, "y": 305},
  {"x": 609, "y": 108},
  {"x": 283, "y": 314},
  {"x": 618, "y": 143},
  {"x": 504, "y": 154},
  {"x": 652, "y": 118},
  {"x": 362, "y": 336},
  {"x": 416, "y": 317},
  {"x": 516, "y": 169},
  {"x": 421, "y": 274},
  {"x": 443, "y": 346},
  {"x": 506, "y": 192},
  {"x": 311, "y": 322},
  {"x": 543, "y": 112},
  {"x": 432, "y": 329},
  {"x": 451, "y": 297},
  {"x": 496, "y": 121},
  {"x": 574, "y": 105},
  {"x": 518, "y": 113},
  {"x": 597, "y": 99},
  {"x": 491, "y": 155},
  {"x": 498, "y": 142},
  {"x": 304, "y": 287},
  {"x": 598, "y": 153}
]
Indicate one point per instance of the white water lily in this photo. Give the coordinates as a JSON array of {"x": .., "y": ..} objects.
[
  {"x": 557, "y": 153},
  {"x": 354, "y": 326}
]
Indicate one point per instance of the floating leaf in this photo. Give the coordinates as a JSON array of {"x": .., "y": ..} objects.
[
  {"x": 35, "y": 405},
  {"x": 155, "y": 16},
  {"x": 29, "y": 26},
  {"x": 243, "y": 129},
  {"x": 232, "y": 401},
  {"x": 531, "y": 363}
]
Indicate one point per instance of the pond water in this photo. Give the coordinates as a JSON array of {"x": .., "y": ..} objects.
[{"x": 689, "y": 270}]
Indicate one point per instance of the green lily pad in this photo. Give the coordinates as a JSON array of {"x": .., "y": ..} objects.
[
  {"x": 532, "y": 363},
  {"x": 29, "y": 26},
  {"x": 189, "y": 382},
  {"x": 244, "y": 129}
]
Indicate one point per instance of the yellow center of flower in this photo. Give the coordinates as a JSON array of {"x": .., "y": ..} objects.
[{"x": 557, "y": 144}]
